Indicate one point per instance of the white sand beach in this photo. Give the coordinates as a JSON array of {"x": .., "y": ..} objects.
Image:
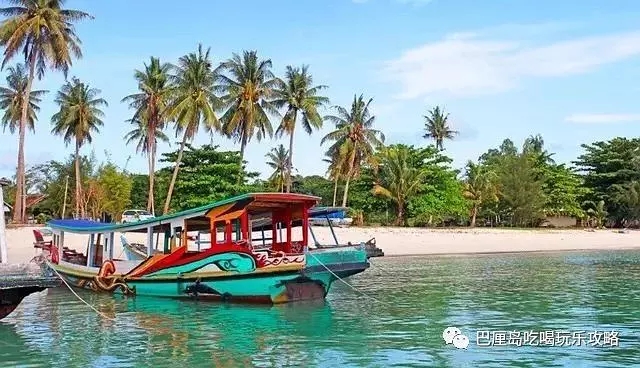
[{"x": 407, "y": 241}]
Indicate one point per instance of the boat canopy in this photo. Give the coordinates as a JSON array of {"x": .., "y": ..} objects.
[{"x": 197, "y": 219}]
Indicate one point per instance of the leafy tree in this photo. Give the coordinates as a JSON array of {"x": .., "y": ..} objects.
[
  {"x": 300, "y": 97},
  {"x": 278, "y": 160},
  {"x": 247, "y": 85},
  {"x": 437, "y": 127},
  {"x": 208, "y": 175},
  {"x": 193, "y": 105},
  {"x": 521, "y": 191},
  {"x": 563, "y": 190},
  {"x": 78, "y": 117},
  {"x": 43, "y": 32},
  {"x": 314, "y": 185},
  {"x": 139, "y": 186},
  {"x": 354, "y": 137},
  {"x": 150, "y": 116},
  {"x": 608, "y": 168},
  {"x": 115, "y": 188}
]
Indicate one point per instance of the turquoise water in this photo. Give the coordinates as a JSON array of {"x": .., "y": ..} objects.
[{"x": 416, "y": 298}]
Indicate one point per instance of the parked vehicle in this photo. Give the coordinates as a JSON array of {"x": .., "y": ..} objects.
[{"x": 136, "y": 215}]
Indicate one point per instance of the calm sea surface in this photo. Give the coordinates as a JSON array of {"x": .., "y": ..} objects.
[{"x": 416, "y": 298}]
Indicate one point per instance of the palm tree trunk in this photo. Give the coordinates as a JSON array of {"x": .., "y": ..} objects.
[
  {"x": 175, "y": 174},
  {"x": 243, "y": 145},
  {"x": 19, "y": 209},
  {"x": 474, "y": 214},
  {"x": 335, "y": 191},
  {"x": 400, "y": 216},
  {"x": 151, "y": 153},
  {"x": 352, "y": 162},
  {"x": 290, "y": 159},
  {"x": 78, "y": 199}
]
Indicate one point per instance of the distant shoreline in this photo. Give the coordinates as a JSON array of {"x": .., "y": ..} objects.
[{"x": 407, "y": 241}]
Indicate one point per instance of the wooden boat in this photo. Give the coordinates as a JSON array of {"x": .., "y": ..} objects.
[
  {"x": 136, "y": 251},
  {"x": 238, "y": 264}
]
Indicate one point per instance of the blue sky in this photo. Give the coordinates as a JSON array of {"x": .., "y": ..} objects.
[{"x": 567, "y": 69}]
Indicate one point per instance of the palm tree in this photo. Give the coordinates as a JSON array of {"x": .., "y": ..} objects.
[
  {"x": 337, "y": 168},
  {"x": 354, "y": 135},
  {"x": 278, "y": 161},
  {"x": 194, "y": 103},
  {"x": 43, "y": 32},
  {"x": 437, "y": 127},
  {"x": 79, "y": 116},
  {"x": 298, "y": 94},
  {"x": 247, "y": 85},
  {"x": 140, "y": 136},
  {"x": 11, "y": 100},
  {"x": 397, "y": 179},
  {"x": 479, "y": 188},
  {"x": 150, "y": 105}
]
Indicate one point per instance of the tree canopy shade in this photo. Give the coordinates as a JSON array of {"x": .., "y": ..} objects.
[{"x": 43, "y": 32}]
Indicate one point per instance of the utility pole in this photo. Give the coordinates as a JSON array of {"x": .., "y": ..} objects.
[
  {"x": 64, "y": 203},
  {"x": 3, "y": 239}
]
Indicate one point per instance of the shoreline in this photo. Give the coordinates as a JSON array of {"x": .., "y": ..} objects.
[{"x": 408, "y": 242}]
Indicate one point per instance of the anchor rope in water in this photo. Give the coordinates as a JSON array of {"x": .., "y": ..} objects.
[
  {"x": 343, "y": 281},
  {"x": 76, "y": 294}
]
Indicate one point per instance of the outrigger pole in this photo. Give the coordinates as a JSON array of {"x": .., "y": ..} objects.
[{"x": 3, "y": 238}]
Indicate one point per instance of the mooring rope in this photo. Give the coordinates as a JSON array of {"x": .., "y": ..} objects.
[
  {"x": 76, "y": 294},
  {"x": 343, "y": 281}
]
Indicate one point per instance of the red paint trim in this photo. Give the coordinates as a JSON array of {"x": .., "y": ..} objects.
[
  {"x": 181, "y": 257},
  {"x": 228, "y": 229},
  {"x": 305, "y": 226}
]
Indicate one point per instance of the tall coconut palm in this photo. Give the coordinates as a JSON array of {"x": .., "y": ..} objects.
[
  {"x": 12, "y": 97},
  {"x": 300, "y": 97},
  {"x": 353, "y": 135},
  {"x": 140, "y": 136},
  {"x": 247, "y": 85},
  {"x": 79, "y": 116},
  {"x": 150, "y": 105},
  {"x": 43, "y": 32},
  {"x": 480, "y": 188},
  {"x": 437, "y": 127},
  {"x": 278, "y": 160},
  {"x": 193, "y": 104},
  {"x": 397, "y": 179},
  {"x": 337, "y": 169}
]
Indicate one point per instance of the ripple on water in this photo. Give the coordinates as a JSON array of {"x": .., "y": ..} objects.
[{"x": 411, "y": 300}]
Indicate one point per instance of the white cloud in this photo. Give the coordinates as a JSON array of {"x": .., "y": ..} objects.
[
  {"x": 602, "y": 118},
  {"x": 465, "y": 64}
]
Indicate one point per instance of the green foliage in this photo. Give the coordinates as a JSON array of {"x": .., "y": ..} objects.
[
  {"x": 610, "y": 170},
  {"x": 314, "y": 185},
  {"x": 206, "y": 175},
  {"x": 139, "y": 189},
  {"x": 115, "y": 188},
  {"x": 563, "y": 190}
]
